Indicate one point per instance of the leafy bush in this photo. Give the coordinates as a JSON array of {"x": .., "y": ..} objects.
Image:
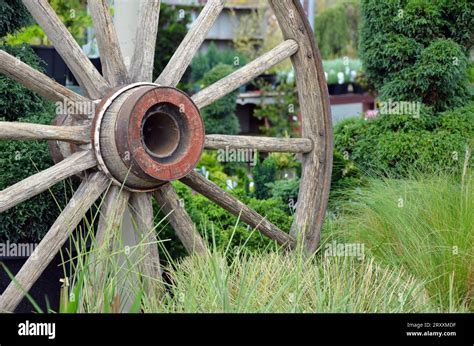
[
  {"x": 438, "y": 78},
  {"x": 218, "y": 225},
  {"x": 395, "y": 145},
  {"x": 16, "y": 101},
  {"x": 271, "y": 181},
  {"x": 263, "y": 174},
  {"x": 13, "y": 16},
  {"x": 286, "y": 190},
  {"x": 220, "y": 117},
  {"x": 18, "y": 160},
  {"x": 416, "y": 50}
]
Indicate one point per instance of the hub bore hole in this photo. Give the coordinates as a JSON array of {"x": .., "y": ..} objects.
[{"x": 161, "y": 134}]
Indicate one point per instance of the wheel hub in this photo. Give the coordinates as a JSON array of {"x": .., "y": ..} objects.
[{"x": 145, "y": 135}]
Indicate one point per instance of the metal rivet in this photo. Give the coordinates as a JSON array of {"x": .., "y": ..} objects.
[{"x": 301, "y": 28}]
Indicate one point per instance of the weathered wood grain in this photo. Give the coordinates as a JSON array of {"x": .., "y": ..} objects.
[
  {"x": 182, "y": 57},
  {"x": 141, "y": 68},
  {"x": 42, "y": 181},
  {"x": 245, "y": 74},
  {"x": 141, "y": 209},
  {"x": 86, "y": 74},
  {"x": 113, "y": 65},
  {"x": 88, "y": 192},
  {"x": 179, "y": 219},
  {"x": 224, "y": 199},
  {"x": 265, "y": 144},
  {"x": 111, "y": 216},
  {"x": 26, "y": 131},
  {"x": 316, "y": 123},
  {"x": 38, "y": 82}
]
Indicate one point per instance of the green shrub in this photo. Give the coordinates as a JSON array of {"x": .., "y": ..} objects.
[
  {"x": 264, "y": 172},
  {"x": 16, "y": 101},
  {"x": 438, "y": 78},
  {"x": 286, "y": 190},
  {"x": 27, "y": 221},
  {"x": 345, "y": 178},
  {"x": 13, "y": 16},
  {"x": 219, "y": 226},
  {"x": 416, "y": 50},
  {"x": 220, "y": 117},
  {"x": 395, "y": 145}
]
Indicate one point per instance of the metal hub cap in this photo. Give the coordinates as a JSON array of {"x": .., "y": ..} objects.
[{"x": 145, "y": 135}]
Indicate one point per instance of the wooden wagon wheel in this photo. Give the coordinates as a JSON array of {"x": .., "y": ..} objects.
[{"x": 143, "y": 135}]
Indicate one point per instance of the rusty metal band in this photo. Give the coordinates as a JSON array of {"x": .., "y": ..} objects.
[{"x": 190, "y": 147}]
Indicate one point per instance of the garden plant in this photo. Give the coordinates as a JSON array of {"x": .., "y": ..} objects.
[{"x": 373, "y": 214}]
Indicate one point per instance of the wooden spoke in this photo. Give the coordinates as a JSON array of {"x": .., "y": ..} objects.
[
  {"x": 26, "y": 131},
  {"x": 111, "y": 216},
  {"x": 42, "y": 181},
  {"x": 142, "y": 213},
  {"x": 224, "y": 199},
  {"x": 141, "y": 69},
  {"x": 265, "y": 144},
  {"x": 181, "y": 59},
  {"x": 228, "y": 84},
  {"x": 44, "y": 253},
  {"x": 38, "y": 82},
  {"x": 86, "y": 74},
  {"x": 113, "y": 65},
  {"x": 180, "y": 220},
  {"x": 316, "y": 123}
]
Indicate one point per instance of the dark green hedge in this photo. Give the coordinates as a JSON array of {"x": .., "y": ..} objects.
[
  {"x": 222, "y": 228},
  {"x": 13, "y": 16},
  {"x": 20, "y": 159},
  {"x": 396, "y": 145},
  {"x": 416, "y": 50}
]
